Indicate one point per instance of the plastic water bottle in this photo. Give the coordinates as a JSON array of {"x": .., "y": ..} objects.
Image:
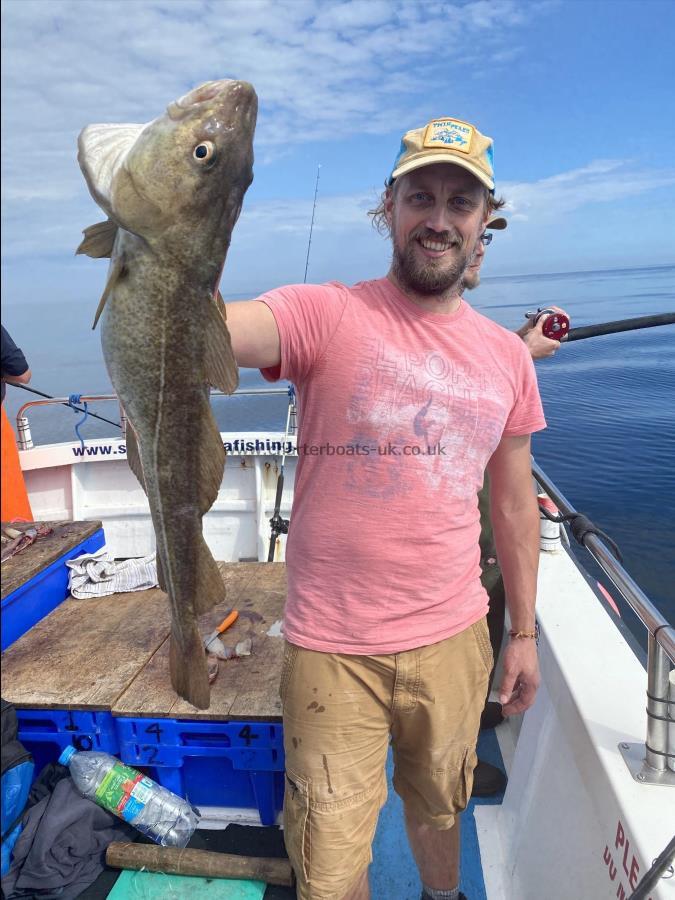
[{"x": 156, "y": 812}]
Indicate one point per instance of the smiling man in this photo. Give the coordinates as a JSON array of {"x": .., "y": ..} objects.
[{"x": 405, "y": 395}]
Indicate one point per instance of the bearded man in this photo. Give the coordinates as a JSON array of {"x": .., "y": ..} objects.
[{"x": 386, "y": 638}]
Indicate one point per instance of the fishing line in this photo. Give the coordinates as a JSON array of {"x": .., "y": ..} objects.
[{"x": 311, "y": 226}]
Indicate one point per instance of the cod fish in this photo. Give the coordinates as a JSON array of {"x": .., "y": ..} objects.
[{"x": 172, "y": 191}]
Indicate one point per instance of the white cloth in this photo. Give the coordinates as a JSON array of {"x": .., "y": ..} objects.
[{"x": 98, "y": 574}]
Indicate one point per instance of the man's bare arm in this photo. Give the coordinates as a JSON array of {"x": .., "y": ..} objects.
[
  {"x": 254, "y": 333},
  {"x": 515, "y": 521},
  {"x": 24, "y": 378}
]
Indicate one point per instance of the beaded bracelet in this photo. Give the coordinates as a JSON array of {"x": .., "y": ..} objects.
[{"x": 523, "y": 634}]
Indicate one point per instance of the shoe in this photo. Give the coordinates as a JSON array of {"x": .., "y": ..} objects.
[
  {"x": 491, "y": 716},
  {"x": 488, "y": 780}
]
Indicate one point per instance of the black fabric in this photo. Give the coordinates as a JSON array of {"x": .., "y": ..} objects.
[
  {"x": 12, "y": 360},
  {"x": 491, "y": 577},
  {"x": 61, "y": 849},
  {"x": 12, "y": 754},
  {"x": 12, "y": 751},
  {"x": 46, "y": 781},
  {"x": 9, "y": 726}
]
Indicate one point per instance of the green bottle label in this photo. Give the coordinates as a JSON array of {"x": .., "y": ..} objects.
[{"x": 124, "y": 792}]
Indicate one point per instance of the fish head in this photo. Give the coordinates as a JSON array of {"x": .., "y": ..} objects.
[{"x": 184, "y": 174}]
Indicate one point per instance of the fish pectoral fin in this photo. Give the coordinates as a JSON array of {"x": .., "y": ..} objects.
[
  {"x": 221, "y": 366},
  {"x": 102, "y": 151},
  {"x": 98, "y": 239},
  {"x": 116, "y": 273}
]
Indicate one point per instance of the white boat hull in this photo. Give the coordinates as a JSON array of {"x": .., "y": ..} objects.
[{"x": 65, "y": 481}]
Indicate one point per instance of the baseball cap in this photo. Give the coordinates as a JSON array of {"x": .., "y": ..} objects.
[
  {"x": 446, "y": 140},
  {"x": 498, "y": 223}
]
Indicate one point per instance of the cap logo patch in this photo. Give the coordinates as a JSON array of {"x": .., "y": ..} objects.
[{"x": 449, "y": 134}]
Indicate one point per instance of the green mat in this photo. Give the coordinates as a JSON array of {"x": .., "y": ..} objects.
[{"x": 158, "y": 886}]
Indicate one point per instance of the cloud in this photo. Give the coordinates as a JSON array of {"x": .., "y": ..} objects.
[
  {"x": 601, "y": 181},
  {"x": 323, "y": 71}
]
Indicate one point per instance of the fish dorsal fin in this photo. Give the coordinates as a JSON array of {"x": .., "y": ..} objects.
[
  {"x": 101, "y": 151},
  {"x": 116, "y": 272},
  {"x": 99, "y": 239},
  {"x": 221, "y": 366}
]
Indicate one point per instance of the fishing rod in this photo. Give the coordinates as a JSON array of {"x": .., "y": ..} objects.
[
  {"x": 280, "y": 525},
  {"x": 557, "y": 325},
  {"x": 24, "y": 387},
  {"x": 586, "y": 331}
]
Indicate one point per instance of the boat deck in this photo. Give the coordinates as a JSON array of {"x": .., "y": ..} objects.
[
  {"x": 112, "y": 653},
  {"x": 34, "y": 559}
]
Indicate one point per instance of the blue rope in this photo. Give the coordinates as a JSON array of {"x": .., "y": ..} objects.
[{"x": 73, "y": 401}]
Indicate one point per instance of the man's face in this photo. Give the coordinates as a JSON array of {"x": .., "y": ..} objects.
[
  {"x": 471, "y": 277},
  {"x": 436, "y": 215}
]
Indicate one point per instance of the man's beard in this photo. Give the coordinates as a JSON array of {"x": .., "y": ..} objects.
[{"x": 425, "y": 276}]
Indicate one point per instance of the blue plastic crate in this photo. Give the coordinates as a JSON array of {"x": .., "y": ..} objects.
[
  {"x": 47, "y": 732},
  {"x": 239, "y": 764},
  {"x": 35, "y": 599}
]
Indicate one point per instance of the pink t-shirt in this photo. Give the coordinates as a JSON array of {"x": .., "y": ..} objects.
[{"x": 399, "y": 412}]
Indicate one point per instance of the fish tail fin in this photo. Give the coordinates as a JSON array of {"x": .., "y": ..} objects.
[
  {"x": 210, "y": 588},
  {"x": 189, "y": 670}
]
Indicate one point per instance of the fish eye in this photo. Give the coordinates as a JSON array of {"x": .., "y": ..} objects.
[{"x": 204, "y": 152}]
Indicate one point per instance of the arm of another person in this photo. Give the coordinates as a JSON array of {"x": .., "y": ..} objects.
[
  {"x": 515, "y": 520},
  {"x": 537, "y": 343},
  {"x": 254, "y": 334},
  {"x": 24, "y": 378},
  {"x": 13, "y": 363}
]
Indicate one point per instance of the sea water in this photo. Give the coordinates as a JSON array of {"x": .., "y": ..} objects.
[{"x": 609, "y": 401}]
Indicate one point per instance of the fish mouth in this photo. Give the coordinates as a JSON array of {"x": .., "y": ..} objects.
[{"x": 210, "y": 90}]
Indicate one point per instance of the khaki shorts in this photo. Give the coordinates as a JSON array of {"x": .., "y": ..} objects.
[{"x": 340, "y": 713}]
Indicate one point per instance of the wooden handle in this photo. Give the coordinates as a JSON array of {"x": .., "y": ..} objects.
[
  {"x": 205, "y": 863},
  {"x": 229, "y": 619}
]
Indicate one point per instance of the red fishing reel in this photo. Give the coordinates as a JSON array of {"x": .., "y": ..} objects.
[{"x": 556, "y": 325}]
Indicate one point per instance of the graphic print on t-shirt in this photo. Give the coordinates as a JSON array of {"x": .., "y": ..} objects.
[{"x": 420, "y": 416}]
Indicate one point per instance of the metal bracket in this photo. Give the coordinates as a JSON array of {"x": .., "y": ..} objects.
[{"x": 634, "y": 757}]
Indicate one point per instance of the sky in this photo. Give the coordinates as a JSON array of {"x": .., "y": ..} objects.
[{"x": 577, "y": 95}]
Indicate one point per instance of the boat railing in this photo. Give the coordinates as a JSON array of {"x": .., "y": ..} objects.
[
  {"x": 25, "y": 439},
  {"x": 651, "y": 762}
]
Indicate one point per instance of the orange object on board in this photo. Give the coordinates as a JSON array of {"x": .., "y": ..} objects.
[{"x": 14, "y": 503}]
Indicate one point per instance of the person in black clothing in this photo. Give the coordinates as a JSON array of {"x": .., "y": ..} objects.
[{"x": 13, "y": 366}]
